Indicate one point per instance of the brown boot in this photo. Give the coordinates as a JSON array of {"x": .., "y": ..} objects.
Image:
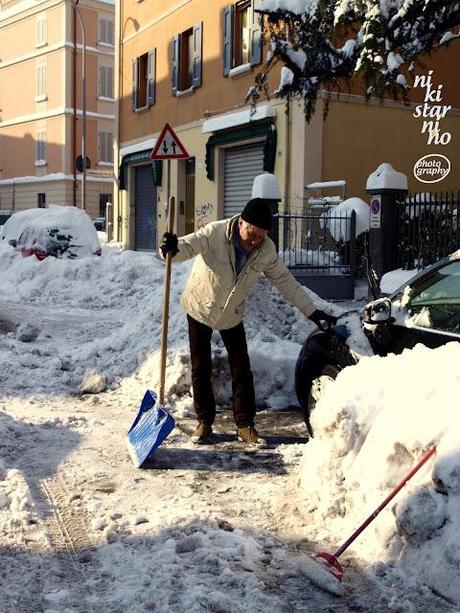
[
  {"x": 202, "y": 434},
  {"x": 248, "y": 434}
]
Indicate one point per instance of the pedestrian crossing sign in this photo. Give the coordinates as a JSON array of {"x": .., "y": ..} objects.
[{"x": 168, "y": 146}]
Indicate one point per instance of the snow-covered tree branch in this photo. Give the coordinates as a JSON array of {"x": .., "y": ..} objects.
[{"x": 321, "y": 43}]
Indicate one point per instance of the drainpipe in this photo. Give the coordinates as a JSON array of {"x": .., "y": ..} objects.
[
  {"x": 74, "y": 100},
  {"x": 287, "y": 156},
  {"x": 287, "y": 164},
  {"x": 118, "y": 70}
]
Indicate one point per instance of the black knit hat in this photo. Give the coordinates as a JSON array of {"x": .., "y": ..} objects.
[{"x": 258, "y": 213}]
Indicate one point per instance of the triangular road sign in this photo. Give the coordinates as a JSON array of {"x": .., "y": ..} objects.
[{"x": 168, "y": 146}]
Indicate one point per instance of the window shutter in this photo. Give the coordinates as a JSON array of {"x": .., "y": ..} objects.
[
  {"x": 102, "y": 30},
  {"x": 175, "y": 64},
  {"x": 110, "y": 152},
  {"x": 41, "y": 80},
  {"x": 227, "y": 28},
  {"x": 109, "y": 82},
  {"x": 256, "y": 36},
  {"x": 41, "y": 32},
  {"x": 197, "y": 53},
  {"x": 151, "y": 77},
  {"x": 101, "y": 81},
  {"x": 134, "y": 84},
  {"x": 110, "y": 32},
  {"x": 41, "y": 145}
]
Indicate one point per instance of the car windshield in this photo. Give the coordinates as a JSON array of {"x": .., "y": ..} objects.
[{"x": 435, "y": 302}]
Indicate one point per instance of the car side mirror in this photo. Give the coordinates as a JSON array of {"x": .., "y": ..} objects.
[
  {"x": 13, "y": 242},
  {"x": 377, "y": 311}
]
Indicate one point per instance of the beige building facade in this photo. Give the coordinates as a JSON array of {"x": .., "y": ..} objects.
[
  {"x": 190, "y": 63},
  {"x": 41, "y": 103}
]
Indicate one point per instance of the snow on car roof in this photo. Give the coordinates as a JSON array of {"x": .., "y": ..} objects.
[{"x": 65, "y": 218}]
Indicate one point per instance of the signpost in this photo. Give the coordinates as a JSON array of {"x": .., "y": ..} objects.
[{"x": 168, "y": 147}]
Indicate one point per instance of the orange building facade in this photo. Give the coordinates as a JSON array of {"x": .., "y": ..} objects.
[
  {"x": 41, "y": 102},
  {"x": 191, "y": 63}
]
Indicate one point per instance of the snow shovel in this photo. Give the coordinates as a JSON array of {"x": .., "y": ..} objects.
[
  {"x": 324, "y": 569},
  {"x": 153, "y": 423}
]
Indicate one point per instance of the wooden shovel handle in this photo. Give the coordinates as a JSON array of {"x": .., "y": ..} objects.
[{"x": 165, "y": 319}]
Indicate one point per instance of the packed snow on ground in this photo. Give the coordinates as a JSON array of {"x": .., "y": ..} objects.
[
  {"x": 209, "y": 529},
  {"x": 367, "y": 438}
]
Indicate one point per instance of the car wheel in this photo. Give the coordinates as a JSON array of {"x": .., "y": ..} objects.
[{"x": 319, "y": 384}]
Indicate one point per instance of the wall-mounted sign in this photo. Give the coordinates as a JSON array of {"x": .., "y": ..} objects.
[
  {"x": 168, "y": 146},
  {"x": 376, "y": 211}
]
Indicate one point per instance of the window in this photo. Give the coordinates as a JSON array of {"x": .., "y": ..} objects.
[
  {"x": 143, "y": 86},
  {"x": 242, "y": 35},
  {"x": 106, "y": 31},
  {"x": 106, "y": 147},
  {"x": 41, "y": 83},
  {"x": 40, "y": 153},
  {"x": 41, "y": 200},
  {"x": 187, "y": 59},
  {"x": 435, "y": 302},
  {"x": 103, "y": 199},
  {"x": 41, "y": 31},
  {"x": 106, "y": 82}
]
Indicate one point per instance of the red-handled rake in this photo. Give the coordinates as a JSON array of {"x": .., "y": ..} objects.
[{"x": 327, "y": 573}]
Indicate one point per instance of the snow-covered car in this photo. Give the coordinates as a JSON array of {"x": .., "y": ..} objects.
[
  {"x": 425, "y": 310},
  {"x": 59, "y": 231}
]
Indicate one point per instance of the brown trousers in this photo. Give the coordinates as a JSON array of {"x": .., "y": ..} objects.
[{"x": 244, "y": 405}]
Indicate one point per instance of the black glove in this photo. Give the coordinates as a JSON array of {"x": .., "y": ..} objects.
[
  {"x": 169, "y": 244},
  {"x": 322, "y": 319}
]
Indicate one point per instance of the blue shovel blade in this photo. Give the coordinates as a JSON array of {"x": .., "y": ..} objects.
[{"x": 150, "y": 428}]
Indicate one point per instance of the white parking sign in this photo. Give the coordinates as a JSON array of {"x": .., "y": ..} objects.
[{"x": 376, "y": 210}]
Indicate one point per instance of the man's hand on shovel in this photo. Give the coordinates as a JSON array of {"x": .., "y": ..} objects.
[
  {"x": 169, "y": 244},
  {"x": 323, "y": 320}
]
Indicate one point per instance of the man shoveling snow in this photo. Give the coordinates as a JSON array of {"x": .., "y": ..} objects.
[{"x": 231, "y": 256}]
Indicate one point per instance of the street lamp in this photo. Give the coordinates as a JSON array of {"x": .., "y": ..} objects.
[{"x": 83, "y": 85}]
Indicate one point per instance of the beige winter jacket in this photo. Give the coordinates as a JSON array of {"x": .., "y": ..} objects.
[{"x": 212, "y": 294}]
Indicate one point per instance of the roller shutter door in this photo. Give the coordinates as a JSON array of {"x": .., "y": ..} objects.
[
  {"x": 241, "y": 166},
  {"x": 145, "y": 198}
]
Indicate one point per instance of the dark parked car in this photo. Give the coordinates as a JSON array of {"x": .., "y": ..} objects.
[
  {"x": 99, "y": 224},
  {"x": 426, "y": 310},
  {"x": 4, "y": 216}
]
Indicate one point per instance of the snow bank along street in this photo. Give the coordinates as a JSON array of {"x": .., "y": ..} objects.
[{"x": 218, "y": 528}]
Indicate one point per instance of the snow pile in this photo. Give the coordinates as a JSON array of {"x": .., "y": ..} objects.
[
  {"x": 367, "y": 440},
  {"x": 386, "y": 177},
  {"x": 266, "y": 185},
  {"x": 116, "y": 303},
  {"x": 296, "y": 7},
  {"x": 335, "y": 218}
]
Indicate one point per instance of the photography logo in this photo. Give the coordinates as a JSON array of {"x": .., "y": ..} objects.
[{"x": 432, "y": 168}]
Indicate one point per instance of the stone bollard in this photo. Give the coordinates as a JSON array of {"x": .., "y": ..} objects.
[{"x": 387, "y": 188}]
